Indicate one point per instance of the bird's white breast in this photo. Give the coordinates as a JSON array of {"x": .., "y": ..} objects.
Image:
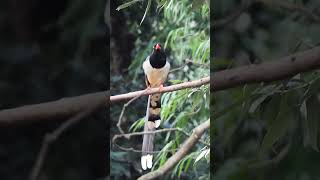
[{"x": 156, "y": 77}]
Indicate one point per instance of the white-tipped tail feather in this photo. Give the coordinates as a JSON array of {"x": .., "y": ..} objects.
[
  {"x": 157, "y": 123},
  {"x": 146, "y": 161}
]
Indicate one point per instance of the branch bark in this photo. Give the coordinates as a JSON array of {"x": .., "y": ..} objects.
[
  {"x": 64, "y": 107},
  {"x": 190, "y": 84},
  {"x": 182, "y": 152},
  {"x": 274, "y": 70}
]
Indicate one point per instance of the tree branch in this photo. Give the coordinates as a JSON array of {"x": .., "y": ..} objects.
[
  {"x": 182, "y": 152},
  {"x": 219, "y": 23},
  {"x": 292, "y": 7},
  {"x": 271, "y": 162},
  {"x": 51, "y": 137},
  {"x": 64, "y": 107},
  {"x": 274, "y": 70},
  {"x": 128, "y": 136},
  {"x": 124, "y": 108},
  {"x": 190, "y": 84}
]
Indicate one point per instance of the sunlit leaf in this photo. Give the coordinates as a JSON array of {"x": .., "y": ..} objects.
[
  {"x": 257, "y": 102},
  {"x": 201, "y": 155},
  {"x": 312, "y": 124},
  {"x": 137, "y": 125},
  {"x": 127, "y": 4},
  {"x": 146, "y": 11}
]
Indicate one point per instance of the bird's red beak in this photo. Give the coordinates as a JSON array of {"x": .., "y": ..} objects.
[{"x": 158, "y": 47}]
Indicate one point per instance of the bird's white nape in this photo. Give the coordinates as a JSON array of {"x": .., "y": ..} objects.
[{"x": 146, "y": 161}]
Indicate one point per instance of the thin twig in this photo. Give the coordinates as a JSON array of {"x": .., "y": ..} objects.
[
  {"x": 49, "y": 138},
  {"x": 292, "y": 7},
  {"x": 269, "y": 162},
  {"x": 124, "y": 108},
  {"x": 128, "y": 135},
  {"x": 178, "y": 68},
  {"x": 187, "y": 134},
  {"x": 181, "y": 153},
  {"x": 190, "y": 61},
  {"x": 219, "y": 23},
  {"x": 139, "y": 151}
]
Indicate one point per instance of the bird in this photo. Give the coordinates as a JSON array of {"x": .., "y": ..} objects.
[{"x": 156, "y": 69}]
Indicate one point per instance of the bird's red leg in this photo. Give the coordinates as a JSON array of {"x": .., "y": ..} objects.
[
  {"x": 148, "y": 84},
  {"x": 161, "y": 88}
]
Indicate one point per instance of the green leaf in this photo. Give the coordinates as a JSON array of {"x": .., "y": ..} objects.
[
  {"x": 127, "y": 4},
  {"x": 136, "y": 125},
  {"x": 311, "y": 122},
  {"x": 278, "y": 126},
  {"x": 313, "y": 89},
  {"x": 147, "y": 9},
  {"x": 181, "y": 167},
  {"x": 161, "y": 4},
  {"x": 162, "y": 156},
  {"x": 201, "y": 155},
  {"x": 187, "y": 165},
  {"x": 175, "y": 81},
  {"x": 303, "y": 110},
  {"x": 197, "y": 4},
  {"x": 257, "y": 102}
]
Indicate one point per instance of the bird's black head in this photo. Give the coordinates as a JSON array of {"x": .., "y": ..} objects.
[{"x": 158, "y": 57}]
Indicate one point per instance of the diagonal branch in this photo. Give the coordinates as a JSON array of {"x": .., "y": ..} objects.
[
  {"x": 219, "y": 23},
  {"x": 51, "y": 137},
  {"x": 128, "y": 135},
  {"x": 124, "y": 108},
  {"x": 267, "y": 72},
  {"x": 182, "y": 152}
]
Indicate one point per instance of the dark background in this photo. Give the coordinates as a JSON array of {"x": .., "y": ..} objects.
[
  {"x": 50, "y": 50},
  {"x": 267, "y": 130}
]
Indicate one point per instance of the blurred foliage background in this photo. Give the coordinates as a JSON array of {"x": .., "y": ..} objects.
[
  {"x": 268, "y": 130},
  {"x": 182, "y": 27},
  {"x": 50, "y": 50}
]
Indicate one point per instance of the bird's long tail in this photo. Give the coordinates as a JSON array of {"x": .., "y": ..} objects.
[
  {"x": 152, "y": 116},
  {"x": 147, "y": 147},
  {"x": 155, "y": 109}
]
